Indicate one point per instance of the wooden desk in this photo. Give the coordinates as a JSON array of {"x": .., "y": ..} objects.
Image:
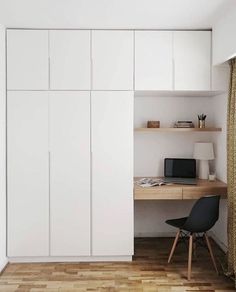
[{"x": 181, "y": 192}]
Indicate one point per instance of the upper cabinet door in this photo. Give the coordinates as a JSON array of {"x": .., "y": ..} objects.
[
  {"x": 112, "y": 55},
  {"x": 192, "y": 55},
  {"x": 70, "y": 60},
  {"x": 27, "y": 59},
  {"x": 153, "y": 60}
]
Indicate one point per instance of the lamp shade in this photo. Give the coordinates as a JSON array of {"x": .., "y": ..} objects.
[{"x": 203, "y": 151}]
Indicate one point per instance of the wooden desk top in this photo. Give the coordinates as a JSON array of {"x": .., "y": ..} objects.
[{"x": 180, "y": 192}]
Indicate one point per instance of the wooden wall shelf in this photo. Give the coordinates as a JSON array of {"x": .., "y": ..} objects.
[{"x": 177, "y": 130}]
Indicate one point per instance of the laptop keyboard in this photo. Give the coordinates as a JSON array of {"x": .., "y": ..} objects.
[{"x": 180, "y": 180}]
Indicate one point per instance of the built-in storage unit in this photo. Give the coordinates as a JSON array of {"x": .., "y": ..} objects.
[
  {"x": 64, "y": 154},
  {"x": 70, "y": 131},
  {"x": 178, "y": 60}
]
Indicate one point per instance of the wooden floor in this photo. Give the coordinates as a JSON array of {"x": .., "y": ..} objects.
[{"x": 149, "y": 271}]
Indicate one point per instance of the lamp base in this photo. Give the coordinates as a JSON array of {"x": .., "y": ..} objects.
[{"x": 203, "y": 169}]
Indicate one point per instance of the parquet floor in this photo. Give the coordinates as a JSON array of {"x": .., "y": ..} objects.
[{"x": 149, "y": 271}]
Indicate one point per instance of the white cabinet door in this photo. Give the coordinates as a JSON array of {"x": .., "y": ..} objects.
[
  {"x": 27, "y": 59},
  {"x": 70, "y": 59},
  {"x": 112, "y": 56},
  {"x": 112, "y": 173},
  {"x": 192, "y": 60},
  {"x": 153, "y": 60},
  {"x": 70, "y": 173},
  {"x": 28, "y": 173}
]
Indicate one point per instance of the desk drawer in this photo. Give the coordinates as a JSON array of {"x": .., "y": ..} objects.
[
  {"x": 192, "y": 193},
  {"x": 158, "y": 193}
]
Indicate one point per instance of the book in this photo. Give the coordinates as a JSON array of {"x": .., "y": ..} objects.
[{"x": 184, "y": 124}]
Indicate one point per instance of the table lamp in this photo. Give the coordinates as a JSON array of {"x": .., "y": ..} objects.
[{"x": 204, "y": 152}]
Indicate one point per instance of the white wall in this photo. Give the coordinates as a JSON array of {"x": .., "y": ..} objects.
[
  {"x": 3, "y": 258},
  {"x": 224, "y": 40},
  {"x": 160, "y": 14},
  {"x": 220, "y": 109},
  {"x": 224, "y": 48},
  {"x": 152, "y": 148}
]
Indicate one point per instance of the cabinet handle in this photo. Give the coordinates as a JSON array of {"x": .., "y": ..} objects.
[
  {"x": 91, "y": 60},
  {"x": 173, "y": 74},
  {"x": 49, "y": 202},
  {"x": 91, "y": 73},
  {"x": 49, "y": 73}
]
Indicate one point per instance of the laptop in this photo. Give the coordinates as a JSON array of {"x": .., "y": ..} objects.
[{"x": 180, "y": 171}]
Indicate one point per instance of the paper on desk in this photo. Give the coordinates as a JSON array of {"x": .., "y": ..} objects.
[{"x": 150, "y": 182}]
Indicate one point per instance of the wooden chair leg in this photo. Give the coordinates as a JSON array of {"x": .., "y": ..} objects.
[
  {"x": 194, "y": 245},
  {"x": 190, "y": 251},
  {"x": 211, "y": 252},
  {"x": 174, "y": 246}
]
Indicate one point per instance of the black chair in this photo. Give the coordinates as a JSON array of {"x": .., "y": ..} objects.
[{"x": 202, "y": 218}]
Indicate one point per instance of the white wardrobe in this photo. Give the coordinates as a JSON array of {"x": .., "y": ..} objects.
[
  {"x": 70, "y": 131},
  {"x": 70, "y": 147}
]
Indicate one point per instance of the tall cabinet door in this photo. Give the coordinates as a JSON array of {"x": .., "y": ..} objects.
[
  {"x": 27, "y": 59},
  {"x": 113, "y": 59},
  {"x": 70, "y": 59},
  {"x": 112, "y": 173},
  {"x": 192, "y": 59},
  {"x": 28, "y": 173},
  {"x": 154, "y": 60},
  {"x": 70, "y": 173}
]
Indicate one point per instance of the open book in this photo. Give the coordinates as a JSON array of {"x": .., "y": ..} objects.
[{"x": 150, "y": 182}]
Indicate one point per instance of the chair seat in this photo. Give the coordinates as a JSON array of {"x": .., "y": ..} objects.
[{"x": 179, "y": 222}]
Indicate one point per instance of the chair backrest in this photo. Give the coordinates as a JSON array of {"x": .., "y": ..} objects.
[{"x": 203, "y": 215}]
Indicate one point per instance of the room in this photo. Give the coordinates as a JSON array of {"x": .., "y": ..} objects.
[{"x": 118, "y": 145}]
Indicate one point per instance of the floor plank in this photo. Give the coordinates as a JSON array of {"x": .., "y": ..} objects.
[{"x": 148, "y": 272}]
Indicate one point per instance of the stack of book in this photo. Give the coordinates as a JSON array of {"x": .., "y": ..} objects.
[{"x": 184, "y": 124}]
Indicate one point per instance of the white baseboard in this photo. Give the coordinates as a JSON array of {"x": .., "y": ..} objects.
[
  {"x": 218, "y": 241},
  {"x": 3, "y": 264},
  {"x": 155, "y": 234},
  {"x": 172, "y": 234},
  {"x": 52, "y": 259}
]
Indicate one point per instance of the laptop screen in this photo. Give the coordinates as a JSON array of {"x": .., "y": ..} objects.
[{"x": 180, "y": 167}]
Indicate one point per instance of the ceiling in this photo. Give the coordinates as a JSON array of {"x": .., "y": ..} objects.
[{"x": 159, "y": 14}]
